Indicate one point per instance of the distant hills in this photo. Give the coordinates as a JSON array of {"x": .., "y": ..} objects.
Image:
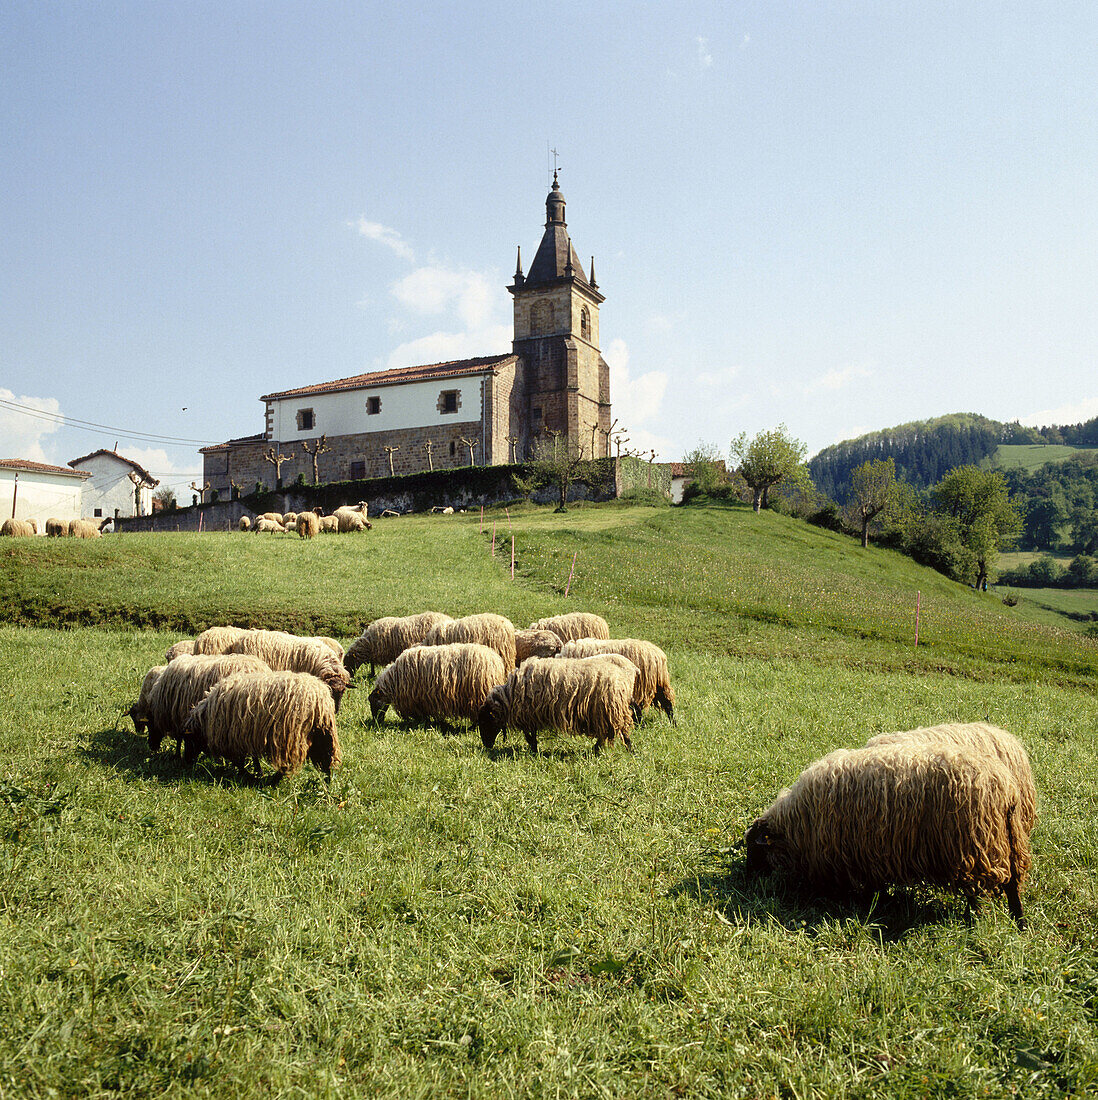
[{"x": 925, "y": 450}]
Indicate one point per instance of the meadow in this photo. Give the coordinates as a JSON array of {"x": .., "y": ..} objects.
[{"x": 441, "y": 921}]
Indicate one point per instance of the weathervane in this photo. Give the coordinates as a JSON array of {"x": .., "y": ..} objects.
[{"x": 555, "y": 165}]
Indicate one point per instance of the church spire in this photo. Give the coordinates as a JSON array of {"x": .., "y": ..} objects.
[
  {"x": 519, "y": 277},
  {"x": 554, "y": 205},
  {"x": 594, "y": 285}
]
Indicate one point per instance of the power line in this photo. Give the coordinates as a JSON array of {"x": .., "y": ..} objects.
[{"x": 90, "y": 425}]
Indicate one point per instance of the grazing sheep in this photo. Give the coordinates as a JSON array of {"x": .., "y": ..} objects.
[
  {"x": 84, "y": 529},
  {"x": 289, "y": 520},
  {"x": 244, "y": 524},
  {"x": 985, "y": 738},
  {"x": 902, "y": 814},
  {"x": 284, "y": 718},
  {"x": 536, "y": 643},
  {"x": 218, "y": 639},
  {"x": 183, "y": 683},
  {"x": 268, "y": 526},
  {"x": 308, "y": 525},
  {"x": 139, "y": 712},
  {"x": 353, "y": 519},
  {"x": 494, "y": 631},
  {"x": 329, "y": 525},
  {"x": 653, "y": 677},
  {"x": 274, "y": 517},
  {"x": 16, "y": 529},
  {"x": 56, "y": 528},
  {"x": 576, "y": 624},
  {"x": 289, "y": 653},
  {"x": 331, "y": 643},
  {"x": 588, "y": 697},
  {"x": 444, "y": 681},
  {"x": 184, "y": 648},
  {"x": 385, "y": 639}
]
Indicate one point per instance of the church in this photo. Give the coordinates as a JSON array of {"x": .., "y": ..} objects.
[{"x": 486, "y": 411}]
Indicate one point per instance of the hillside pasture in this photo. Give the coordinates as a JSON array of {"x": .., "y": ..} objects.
[
  {"x": 442, "y": 921},
  {"x": 1032, "y": 456}
]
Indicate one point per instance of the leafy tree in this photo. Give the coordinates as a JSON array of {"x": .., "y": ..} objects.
[
  {"x": 706, "y": 467},
  {"x": 166, "y": 496},
  {"x": 555, "y": 462},
  {"x": 1044, "y": 518},
  {"x": 872, "y": 488},
  {"x": 771, "y": 458},
  {"x": 979, "y": 504}
]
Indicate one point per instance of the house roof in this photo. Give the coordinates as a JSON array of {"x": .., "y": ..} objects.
[
  {"x": 456, "y": 368},
  {"x": 146, "y": 477},
  {"x": 240, "y": 441},
  {"x": 40, "y": 467}
]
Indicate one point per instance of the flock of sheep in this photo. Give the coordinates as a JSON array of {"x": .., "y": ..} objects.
[
  {"x": 310, "y": 524},
  {"x": 950, "y": 805},
  {"x": 55, "y": 528}
]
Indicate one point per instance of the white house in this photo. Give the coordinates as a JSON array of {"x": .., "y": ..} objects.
[
  {"x": 118, "y": 486},
  {"x": 35, "y": 490}
]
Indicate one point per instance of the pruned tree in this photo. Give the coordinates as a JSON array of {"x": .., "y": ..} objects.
[
  {"x": 555, "y": 462},
  {"x": 769, "y": 459},
  {"x": 472, "y": 444},
  {"x": 513, "y": 440},
  {"x": 319, "y": 448},
  {"x": 389, "y": 454},
  {"x": 872, "y": 489},
  {"x": 430, "y": 461},
  {"x": 276, "y": 458},
  {"x": 201, "y": 491}
]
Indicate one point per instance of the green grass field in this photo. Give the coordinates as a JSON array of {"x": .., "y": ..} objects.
[
  {"x": 1032, "y": 456},
  {"x": 440, "y": 922}
]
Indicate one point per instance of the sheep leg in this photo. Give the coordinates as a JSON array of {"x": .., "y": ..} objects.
[
  {"x": 628, "y": 742},
  {"x": 665, "y": 705},
  {"x": 532, "y": 742},
  {"x": 1014, "y": 903}
]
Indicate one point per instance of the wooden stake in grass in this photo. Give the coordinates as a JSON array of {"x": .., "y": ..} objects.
[
  {"x": 508, "y": 515},
  {"x": 493, "y": 538},
  {"x": 570, "y": 572},
  {"x": 512, "y": 557},
  {"x": 482, "y": 519},
  {"x": 918, "y": 606}
]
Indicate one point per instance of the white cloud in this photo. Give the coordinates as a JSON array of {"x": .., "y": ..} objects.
[
  {"x": 635, "y": 400},
  {"x": 745, "y": 42},
  {"x": 836, "y": 379},
  {"x": 22, "y": 432},
  {"x": 442, "y": 347},
  {"x": 385, "y": 235},
  {"x": 723, "y": 376},
  {"x": 1074, "y": 413},
  {"x": 471, "y": 295},
  {"x": 157, "y": 462},
  {"x": 705, "y": 58}
]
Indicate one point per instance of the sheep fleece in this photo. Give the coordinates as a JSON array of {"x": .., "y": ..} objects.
[
  {"x": 494, "y": 631},
  {"x": 445, "y": 681},
  {"x": 653, "y": 677},
  {"x": 385, "y": 639},
  {"x": 575, "y": 624}
]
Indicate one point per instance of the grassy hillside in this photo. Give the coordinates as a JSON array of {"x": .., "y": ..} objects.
[
  {"x": 1032, "y": 456},
  {"x": 444, "y": 922}
]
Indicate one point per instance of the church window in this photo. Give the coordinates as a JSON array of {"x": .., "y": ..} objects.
[
  {"x": 305, "y": 420},
  {"x": 373, "y": 406},
  {"x": 536, "y": 413},
  {"x": 358, "y": 471},
  {"x": 449, "y": 401},
  {"x": 585, "y": 324}
]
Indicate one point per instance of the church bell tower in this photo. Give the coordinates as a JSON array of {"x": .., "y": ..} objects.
[{"x": 564, "y": 382}]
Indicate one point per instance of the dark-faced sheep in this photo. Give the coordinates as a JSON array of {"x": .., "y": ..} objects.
[
  {"x": 575, "y": 624},
  {"x": 979, "y": 737},
  {"x": 353, "y": 519},
  {"x": 536, "y": 643},
  {"x": 183, "y": 683},
  {"x": 591, "y": 698},
  {"x": 308, "y": 525},
  {"x": 385, "y": 639},
  {"x": 902, "y": 814},
  {"x": 56, "y": 528},
  {"x": 494, "y": 631},
  {"x": 438, "y": 682},
  {"x": 244, "y": 523},
  {"x": 284, "y": 718},
  {"x": 653, "y": 677},
  {"x": 185, "y": 648},
  {"x": 288, "y": 653},
  {"x": 139, "y": 712}
]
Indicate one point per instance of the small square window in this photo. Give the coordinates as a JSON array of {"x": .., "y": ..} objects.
[
  {"x": 373, "y": 406},
  {"x": 98, "y": 512},
  {"x": 305, "y": 420},
  {"x": 537, "y": 414},
  {"x": 358, "y": 471},
  {"x": 449, "y": 401}
]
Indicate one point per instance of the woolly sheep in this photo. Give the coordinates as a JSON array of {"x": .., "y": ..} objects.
[
  {"x": 274, "y": 517},
  {"x": 353, "y": 519},
  {"x": 985, "y": 738},
  {"x": 536, "y": 643},
  {"x": 139, "y": 712},
  {"x": 34, "y": 525},
  {"x": 653, "y": 677},
  {"x": 56, "y": 528},
  {"x": 284, "y": 718},
  {"x": 183, "y": 683},
  {"x": 902, "y": 814},
  {"x": 329, "y": 525},
  {"x": 218, "y": 639},
  {"x": 494, "y": 631},
  {"x": 16, "y": 529},
  {"x": 445, "y": 681},
  {"x": 184, "y": 648},
  {"x": 587, "y": 697},
  {"x": 385, "y": 639},
  {"x": 308, "y": 525},
  {"x": 576, "y": 624},
  {"x": 331, "y": 643},
  {"x": 289, "y": 520},
  {"x": 83, "y": 529},
  {"x": 269, "y": 526},
  {"x": 244, "y": 524},
  {"x": 289, "y": 653}
]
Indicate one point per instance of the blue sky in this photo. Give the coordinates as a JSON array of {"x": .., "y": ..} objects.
[{"x": 840, "y": 216}]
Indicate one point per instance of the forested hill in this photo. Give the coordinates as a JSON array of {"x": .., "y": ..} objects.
[{"x": 925, "y": 450}]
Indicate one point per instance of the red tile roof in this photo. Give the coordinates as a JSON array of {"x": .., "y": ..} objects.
[
  {"x": 138, "y": 468},
  {"x": 39, "y": 467},
  {"x": 241, "y": 441},
  {"x": 453, "y": 369}
]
